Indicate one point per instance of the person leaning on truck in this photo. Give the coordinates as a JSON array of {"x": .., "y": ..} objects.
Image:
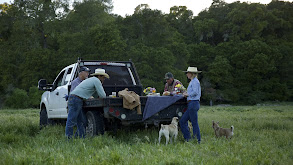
[
  {"x": 87, "y": 88},
  {"x": 171, "y": 83},
  {"x": 193, "y": 97}
]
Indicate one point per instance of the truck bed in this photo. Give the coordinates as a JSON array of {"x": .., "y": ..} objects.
[{"x": 113, "y": 107}]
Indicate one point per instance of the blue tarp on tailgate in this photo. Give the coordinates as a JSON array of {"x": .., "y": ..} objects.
[{"x": 155, "y": 104}]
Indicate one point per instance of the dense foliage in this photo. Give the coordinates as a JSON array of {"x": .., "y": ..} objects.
[{"x": 245, "y": 50}]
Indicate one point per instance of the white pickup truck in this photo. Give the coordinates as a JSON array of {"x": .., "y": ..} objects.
[{"x": 102, "y": 114}]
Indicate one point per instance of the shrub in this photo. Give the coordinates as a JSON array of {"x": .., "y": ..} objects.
[
  {"x": 18, "y": 99},
  {"x": 34, "y": 96}
]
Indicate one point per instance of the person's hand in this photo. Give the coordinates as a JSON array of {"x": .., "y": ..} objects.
[
  {"x": 166, "y": 93},
  {"x": 66, "y": 97},
  {"x": 185, "y": 94}
]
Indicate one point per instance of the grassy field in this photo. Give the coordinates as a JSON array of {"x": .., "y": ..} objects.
[{"x": 263, "y": 135}]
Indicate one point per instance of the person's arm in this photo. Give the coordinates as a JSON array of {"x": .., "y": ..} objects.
[
  {"x": 99, "y": 89},
  {"x": 184, "y": 90},
  {"x": 178, "y": 82},
  {"x": 166, "y": 87},
  {"x": 182, "y": 85}
]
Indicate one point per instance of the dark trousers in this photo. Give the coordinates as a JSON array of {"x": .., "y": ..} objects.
[
  {"x": 191, "y": 115},
  {"x": 75, "y": 117}
]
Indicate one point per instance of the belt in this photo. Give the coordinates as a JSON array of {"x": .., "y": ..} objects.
[
  {"x": 77, "y": 96},
  {"x": 191, "y": 100}
]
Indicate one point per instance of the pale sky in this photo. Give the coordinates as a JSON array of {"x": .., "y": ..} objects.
[
  {"x": 126, "y": 7},
  {"x": 123, "y": 7}
]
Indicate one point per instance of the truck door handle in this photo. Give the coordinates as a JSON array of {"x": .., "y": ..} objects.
[{"x": 57, "y": 93}]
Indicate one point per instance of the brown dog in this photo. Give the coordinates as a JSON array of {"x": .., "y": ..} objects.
[{"x": 223, "y": 131}]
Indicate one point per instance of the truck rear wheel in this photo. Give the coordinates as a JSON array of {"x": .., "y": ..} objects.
[{"x": 95, "y": 124}]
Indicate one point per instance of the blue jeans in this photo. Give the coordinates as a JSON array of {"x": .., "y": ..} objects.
[
  {"x": 191, "y": 115},
  {"x": 75, "y": 117}
]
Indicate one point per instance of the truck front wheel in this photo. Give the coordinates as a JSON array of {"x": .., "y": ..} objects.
[
  {"x": 95, "y": 124},
  {"x": 44, "y": 121}
]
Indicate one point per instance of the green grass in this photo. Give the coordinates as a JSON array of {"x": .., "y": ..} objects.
[{"x": 263, "y": 135}]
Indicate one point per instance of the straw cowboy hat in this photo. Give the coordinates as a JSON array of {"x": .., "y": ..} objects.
[
  {"x": 192, "y": 70},
  {"x": 101, "y": 72}
]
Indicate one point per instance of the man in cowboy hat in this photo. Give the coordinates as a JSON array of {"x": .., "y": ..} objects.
[
  {"x": 193, "y": 97},
  {"x": 170, "y": 83},
  {"x": 87, "y": 88}
]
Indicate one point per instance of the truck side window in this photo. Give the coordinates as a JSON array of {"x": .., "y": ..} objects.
[
  {"x": 59, "y": 79},
  {"x": 67, "y": 76}
]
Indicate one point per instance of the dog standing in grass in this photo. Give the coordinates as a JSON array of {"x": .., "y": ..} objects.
[
  {"x": 170, "y": 130},
  {"x": 228, "y": 132}
]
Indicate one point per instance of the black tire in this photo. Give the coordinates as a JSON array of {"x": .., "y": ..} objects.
[
  {"x": 95, "y": 124},
  {"x": 44, "y": 121},
  {"x": 43, "y": 118}
]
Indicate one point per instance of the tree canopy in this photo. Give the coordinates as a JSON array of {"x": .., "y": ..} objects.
[{"x": 245, "y": 50}]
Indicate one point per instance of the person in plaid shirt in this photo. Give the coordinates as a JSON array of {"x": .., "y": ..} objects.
[{"x": 171, "y": 83}]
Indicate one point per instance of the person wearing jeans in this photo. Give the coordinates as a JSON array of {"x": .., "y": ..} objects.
[
  {"x": 193, "y": 97},
  {"x": 76, "y": 117},
  {"x": 83, "y": 74},
  {"x": 87, "y": 88}
]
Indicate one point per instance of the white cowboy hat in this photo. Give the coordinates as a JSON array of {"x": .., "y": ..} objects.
[
  {"x": 192, "y": 70},
  {"x": 100, "y": 72}
]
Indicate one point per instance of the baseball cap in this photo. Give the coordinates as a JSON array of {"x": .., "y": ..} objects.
[
  {"x": 84, "y": 69},
  {"x": 168, "y": 75}
]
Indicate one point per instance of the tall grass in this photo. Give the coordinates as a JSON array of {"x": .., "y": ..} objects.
[{"x": 263, "y": 135}]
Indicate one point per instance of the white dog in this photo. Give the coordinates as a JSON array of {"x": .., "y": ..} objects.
[{"x": 169, "y": 130}]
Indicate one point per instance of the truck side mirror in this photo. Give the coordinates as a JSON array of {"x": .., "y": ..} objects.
[{"x": 42, "y": 85}]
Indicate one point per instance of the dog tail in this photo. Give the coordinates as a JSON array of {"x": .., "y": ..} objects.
[
  {"x": 232, "y": 128},
  {"x": 162, "y": 126}
]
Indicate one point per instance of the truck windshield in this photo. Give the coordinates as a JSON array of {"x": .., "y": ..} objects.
[{"x": 119, "y": 75}]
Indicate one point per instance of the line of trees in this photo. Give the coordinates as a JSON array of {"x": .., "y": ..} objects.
[{"x": 245, "y": 50}]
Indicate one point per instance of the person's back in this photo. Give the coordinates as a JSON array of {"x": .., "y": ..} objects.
[{"x": 89, "y": 87}]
